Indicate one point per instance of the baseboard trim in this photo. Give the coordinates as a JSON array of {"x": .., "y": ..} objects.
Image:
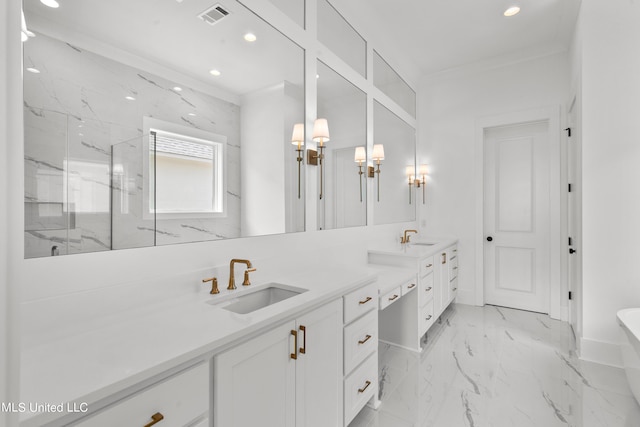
[{"x": 605, "y": 353}]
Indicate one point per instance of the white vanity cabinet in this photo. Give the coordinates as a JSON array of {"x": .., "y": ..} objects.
[
  {"x": 179, "y": 400},
  {"x": 360, "y": 349},
  {"x": 289, "y": 376},
  {"x": 436, "y": 266}
]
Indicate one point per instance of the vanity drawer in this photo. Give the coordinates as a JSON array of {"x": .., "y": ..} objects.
[
  {"x": 360, "y": 340},
  {"x": 180, "y": 399},
  {"x": 426, "y": 317},
  {"x": 454, "y": 287},
  {"x": 409, "y": 286},
  {"x": 360, "y": 301},
  {"x": 390, "y": 297},
  {"x": 426, "y": 290},
  {"x": 453, "y": 267},
  {"x": 359, "y": 387},
  {"x": 426, "y": 266}
]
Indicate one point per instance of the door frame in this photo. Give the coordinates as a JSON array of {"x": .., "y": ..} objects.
[{"x": 557, "y": 227}]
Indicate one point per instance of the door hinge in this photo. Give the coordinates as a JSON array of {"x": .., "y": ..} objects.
[
  {"x": 569, "y": 188},
  {"x": 570, "y": 241},
  {"x": 568, "y": 132},
  {"x": 570, "y": 296}
]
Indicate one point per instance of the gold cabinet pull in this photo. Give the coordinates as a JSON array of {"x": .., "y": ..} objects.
[
  {"x": 429, "y": 265},
  {"x": 429, "y": 317},
  {"x": 428, "y": 289},
  {"x": 367, "y": 338},
  {"x": 365, "y": 301},
  {"x": 393, "y": 297},
  {"x": 294, "y": 355},
  {"x": 444, "y": 257},
  {"x": 367, "y": 384},
  {"x": 303, "y": 349},
  {"x": 455, "y": 268},
  {"x": 411, "y": 286},
  {"x": 157, "y": 417}
]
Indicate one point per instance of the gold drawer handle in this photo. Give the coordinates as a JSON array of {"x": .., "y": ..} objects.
[
  {"x": 303, "y": 349},
  {"x": 429, "y": 265},
  {"x": 365, "y": 301},
  {"x": 294, "y": 355},
  {"x": 367, "y": 384},
  {"x": 428, "y": 289},
  {"x": 455, "y": 268},
  {"x": 367, "y": 338},
  {"x": 429, "y": 317},
  {"x": 157, "y": 417},
  {"x": 393, "y": 297},
  {"x": 411, "y": 286}
]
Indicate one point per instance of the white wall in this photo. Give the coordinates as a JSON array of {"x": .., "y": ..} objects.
[
  {"x": 609, "y": 35},
  {"x": 449, "y": 106},
  {"x": 11, "y": 182}
]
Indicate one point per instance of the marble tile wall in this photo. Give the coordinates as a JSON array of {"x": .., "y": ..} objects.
[{"x": 75, "y": 110}]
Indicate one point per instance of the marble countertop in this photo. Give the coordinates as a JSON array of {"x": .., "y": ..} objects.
[
  {"x": 139, "y": 344},
  {"x": 391, "y": 277},
  {"x": 418, "y": 247}
]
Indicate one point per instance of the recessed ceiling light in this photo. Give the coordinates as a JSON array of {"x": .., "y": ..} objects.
[
  {"x": 513, "y": 10},
  {"x": 250, "y": 37},
  {"x": 177, "y": 89},
  {"x": 33, "y": 70},
  {"x": 215, "y": 72},
  {"x": 317, "y": 76},
  {"x": 51, "y": 3},
  {"x": 130, "y": 98},
  {"x": 80, "y": 134},
  {"x": 192, "y": 114}
]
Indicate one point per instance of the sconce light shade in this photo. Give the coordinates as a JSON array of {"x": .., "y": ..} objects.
[
  {"x": 378, "y": 152},
  {"x": 321, "y": 131},
  {"x": 423, "y": 170},
  {"x": 361, "y": 155},
  {"x": 297, "y": 138},
  {"x": 410, "y": 171}
]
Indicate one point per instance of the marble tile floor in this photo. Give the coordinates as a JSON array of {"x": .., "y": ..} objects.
[{"x": 498, "y": 367}]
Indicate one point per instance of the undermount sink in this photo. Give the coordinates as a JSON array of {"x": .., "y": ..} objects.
[{"x": 255, "y": 299}]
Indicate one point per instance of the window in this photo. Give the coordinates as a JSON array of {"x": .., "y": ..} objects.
[{"x": 186, "y": 171}]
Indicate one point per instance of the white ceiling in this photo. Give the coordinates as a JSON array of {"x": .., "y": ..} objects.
[{"x": 445, "y": 34}]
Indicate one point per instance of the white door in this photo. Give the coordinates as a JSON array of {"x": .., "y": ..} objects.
[
  {"x": 516, "y": 216},
  {"x": 572, "y": 218},
  {"x": 319, "y": 399}
]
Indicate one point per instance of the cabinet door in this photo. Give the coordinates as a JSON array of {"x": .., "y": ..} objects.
[
  {"x": 254, "y": 383},
  {"x": 319, "y": 368}
]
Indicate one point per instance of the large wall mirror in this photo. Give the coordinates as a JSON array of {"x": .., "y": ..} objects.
[
  {"x": 344, "y": 106},
  {"x": 395, "y": 199},
  {"x": 150, "y": 123}
]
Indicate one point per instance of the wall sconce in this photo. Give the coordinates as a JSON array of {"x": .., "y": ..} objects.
[
  {"x": 297, "y": 138},
  {"x": 377, "y": 156},
  {"x": 413, "y": 180},
  {"x": 360, "y": 156},
  {"x": 320, "y": 135},
  {"x": 423, "y": 181}
]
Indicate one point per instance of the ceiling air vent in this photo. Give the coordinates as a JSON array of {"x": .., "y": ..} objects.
[{"x": 213, "y": 14}]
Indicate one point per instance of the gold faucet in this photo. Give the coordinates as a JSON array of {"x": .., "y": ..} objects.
[
  {"x": 232, "y": 280},
  {"x": 214, "y": 285},
  {"x": 406, "y": 238}
]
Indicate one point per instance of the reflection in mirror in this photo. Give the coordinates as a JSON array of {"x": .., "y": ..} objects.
[
  {"x": 388, "y": 81},
  {"x": 345, "y": 195},
  {"x": 294, "y": 9},
  {"x": 338, "y": 35},
  {"x": 224, "y": 106},
  {"x": 396, "y": 203}
]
